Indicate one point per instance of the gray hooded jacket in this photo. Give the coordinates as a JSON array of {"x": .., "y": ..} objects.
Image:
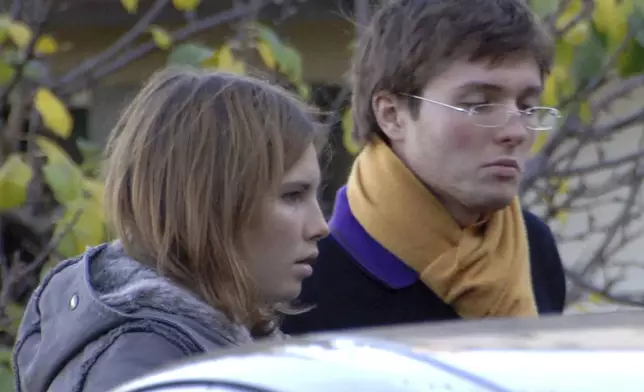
[{"x": 103, "y": 319}]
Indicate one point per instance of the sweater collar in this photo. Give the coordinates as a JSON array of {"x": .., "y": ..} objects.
[{"x": 367, "y": 252}]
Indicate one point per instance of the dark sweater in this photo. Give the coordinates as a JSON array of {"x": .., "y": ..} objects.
[{"x": 358, "y": 283}]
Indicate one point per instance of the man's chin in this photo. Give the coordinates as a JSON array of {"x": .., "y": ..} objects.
[{"x": 489, "y": 202}]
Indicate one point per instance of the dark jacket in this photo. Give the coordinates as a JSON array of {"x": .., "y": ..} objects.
[
  {"x": 103, "y": 319},
  {"x": 358, "y": 283}
]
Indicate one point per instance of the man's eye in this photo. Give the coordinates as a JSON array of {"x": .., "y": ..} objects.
[
  {"x": 472, "y": 104},
  {"x": 525, "y": 106}
]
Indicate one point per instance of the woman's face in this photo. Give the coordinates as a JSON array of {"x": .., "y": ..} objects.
[{"x": 282, "y": 246}]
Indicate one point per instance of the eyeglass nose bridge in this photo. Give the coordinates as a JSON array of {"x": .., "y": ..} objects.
[{"x": 509, "y": 115}]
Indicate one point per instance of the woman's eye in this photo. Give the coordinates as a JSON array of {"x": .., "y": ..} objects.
[{"x": 292, "y": 197}]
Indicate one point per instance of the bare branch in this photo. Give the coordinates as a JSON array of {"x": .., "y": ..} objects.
[
  {"x": 182, "y": 34},
  {"x": 27, "y": 53},
  {"x": 18, "y": 271},
  {"x": 130, "y": 36},
  {"x": 601, "y": 164},
  {"x": 622, "y": 89},
  {"x": 581, "y": 281}
]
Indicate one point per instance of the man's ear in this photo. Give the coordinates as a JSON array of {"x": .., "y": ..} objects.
[{"x": 389, "y": 115}]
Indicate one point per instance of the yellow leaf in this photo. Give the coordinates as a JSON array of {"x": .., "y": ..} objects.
[
  {"x": 581, "y": 308},
  {"x": 539, "y": 142},
  {"x": 20, "y": 33},
  {"x": 14, "y": 178},
  {"x": 562, "y": 217},
  {"x": 585, "y": 113},
  {"x": 596, "y": 298},
  {"x": 227, "y": 63},
  {"x": 46, "y": 44},
  {"x": 96, "y": 189},
  {"x": 347, "y": 133},
  {"x": 611, "y": 17},
  {"x": 5, "y": 22},
  {"x": 577, "y": 34},
  {"x": 569, "y": 14},
  {"x": 131, "y": 6},
  {"x": 186, "y": 5},
  {"x": 54, "y": 112},
  {"x": 7, "y": 72},
  {"x": 550, "y": 95},
  {"x": 160, "y": 37},
  {"x": 564, "y": 55},
  {"x": 266, "y": 54}
]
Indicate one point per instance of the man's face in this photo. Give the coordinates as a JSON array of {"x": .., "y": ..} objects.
[{"x": 456, "y": 158}]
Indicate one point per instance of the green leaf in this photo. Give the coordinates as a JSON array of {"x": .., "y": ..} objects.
[
  {"x": 588, "y": 59},
  {"x": 6, "y": 379},
  {"x": 15, "y": 313},
  {"x": 5, "y": 358},
  {"x": 14, "y": 178},
  {"x": 292, "y": 64},
  {"x": 46, "y": 268},
  {"x": 34, "y": 70},
  {"x": 267, "y": 37},
  {"x": 62, "y": 175},
  {"x": 304, "y": 91},
  {"x": 6, "y": 72},
  {"x": 89, "y": 229},
  {"x": 189, "y": 54},
  {"x": 65, "y": 181},
  {"x": 89, "y": 150},
  {"x": 631, "y": 60},
  {"x": 543, "y": 8}
]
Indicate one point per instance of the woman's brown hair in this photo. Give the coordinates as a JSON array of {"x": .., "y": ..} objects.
[{"x": 187, "y": 168}]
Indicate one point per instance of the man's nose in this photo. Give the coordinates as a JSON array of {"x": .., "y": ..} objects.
[{"x": 515, "y": 132}]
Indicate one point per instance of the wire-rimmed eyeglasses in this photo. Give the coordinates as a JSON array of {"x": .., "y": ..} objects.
[{"x": 492, "y": 115}]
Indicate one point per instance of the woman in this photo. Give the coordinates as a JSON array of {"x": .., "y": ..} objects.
[{"x": 211, "y": 184}]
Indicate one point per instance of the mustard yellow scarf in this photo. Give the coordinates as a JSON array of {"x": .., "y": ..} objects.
[{"x": 479, "y": 273}]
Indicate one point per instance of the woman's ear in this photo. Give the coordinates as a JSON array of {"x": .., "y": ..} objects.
[{"x": 389, "y": 114}]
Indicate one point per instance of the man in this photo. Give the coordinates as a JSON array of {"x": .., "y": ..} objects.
[{"x": 429, "y": 227}]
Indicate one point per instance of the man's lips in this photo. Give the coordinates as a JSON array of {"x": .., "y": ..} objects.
[{"x": 505, "y": 162}]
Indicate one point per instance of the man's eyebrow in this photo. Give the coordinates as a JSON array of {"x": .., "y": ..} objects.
[
  {"x": 532, "y": 91},
  {"x": 495, "y": 88},
  {"x": 479, "y": 86}
]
